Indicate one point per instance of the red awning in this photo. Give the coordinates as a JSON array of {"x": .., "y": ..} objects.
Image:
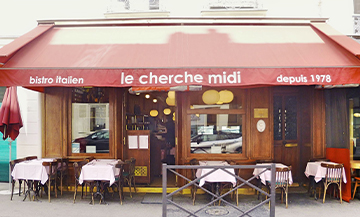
[{"x": 175, "y": 55}]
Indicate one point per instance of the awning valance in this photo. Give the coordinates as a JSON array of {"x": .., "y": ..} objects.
[{"x": 176, "y": 55}]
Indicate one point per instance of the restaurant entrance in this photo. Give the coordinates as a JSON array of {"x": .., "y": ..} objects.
[
  {"x": 286, "y": 148},
  {"x": 150, "y": 134}
]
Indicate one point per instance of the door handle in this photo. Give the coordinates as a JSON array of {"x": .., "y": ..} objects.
[{"x": 291, "y": 145}]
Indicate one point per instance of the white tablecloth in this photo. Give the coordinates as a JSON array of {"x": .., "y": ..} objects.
[
  {"x": 315, "y": 169},
  {"x": 99, "y": 170},
  {"x": 266, "y": 176},
  {"x": 32, "y": 170},
  {"x": 218, "y": 175}
]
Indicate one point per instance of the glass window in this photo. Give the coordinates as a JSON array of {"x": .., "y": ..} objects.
[
  {"x": 216, "y": 133},
  {"x": 90, "y": 120}
]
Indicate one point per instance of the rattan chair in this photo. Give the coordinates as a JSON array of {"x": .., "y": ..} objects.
[
  {"x": 245, "y": 174},
  {"x": 63, "y": 173},
  {"x": 52, "y": 174},
  {"x": 334, "y": 175},
  {"x": 129, "y": 173},
  {"x": 193, "y": 162},
  {"x": 12, "y": 165},
  {"x": 357, "y": 184},
  {"x": 77, "y": 170},
  {"x": 282, "y": 182}
]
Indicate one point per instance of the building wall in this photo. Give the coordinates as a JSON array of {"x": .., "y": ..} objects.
[
  {"x": 22, "y": 20},
  {"x": 29, "y": 139}
]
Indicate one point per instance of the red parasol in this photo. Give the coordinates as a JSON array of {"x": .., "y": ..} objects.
[{"x": 10, "y": 117}]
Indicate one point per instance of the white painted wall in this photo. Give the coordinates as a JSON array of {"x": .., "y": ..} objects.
[{"x": 29, "y": 139}]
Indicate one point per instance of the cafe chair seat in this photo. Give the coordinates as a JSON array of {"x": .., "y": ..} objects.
[{"x": 334, "y": 175}]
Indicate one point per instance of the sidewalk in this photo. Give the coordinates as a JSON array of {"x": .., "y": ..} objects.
[{"x": 300, "y": 204}]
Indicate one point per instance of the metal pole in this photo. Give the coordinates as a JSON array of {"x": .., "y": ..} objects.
[
  {"x": 272, "y": 195},
  {"x": 9, "y": 164},
  {"x": 164, "y": 185}
]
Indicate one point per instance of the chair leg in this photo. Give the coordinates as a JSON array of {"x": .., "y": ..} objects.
[
  {"x": 120, "y": 193},
  {"x": 20, "y": 182},
  {"x": 75, "y": 191},
  {"x": 237, "y": 197},
  {"x": 286, "y": 198},
  {"x": 356, "y": 185},
  {"x": 49, "y": 189},
  {"x": 12, "y": 188},
  {"x": 129, "y": 183},
  {"x": 340, "y": 192},
  {"x": 325, "y": 188},
  {"x": 133, "y": 178}
]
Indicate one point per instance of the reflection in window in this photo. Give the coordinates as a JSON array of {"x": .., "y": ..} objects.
[
  {"x": 90, "y": 120},
  {"x": 216, "y": 133}
]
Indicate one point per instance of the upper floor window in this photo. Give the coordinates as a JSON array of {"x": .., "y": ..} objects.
[
  {"x": 233, "y": 4},
  {"x": 133, "y": 5}
]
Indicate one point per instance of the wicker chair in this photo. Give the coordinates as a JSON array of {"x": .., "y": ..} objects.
[
  {"x": 334, "y": 175},
  {"x": 357, "y": 184},
  {"x": 52, "y": 173},
  {"x": 77, "y": 170},
  {"x": 282, "y": 182},
  {"x": 128, "y": 175},
  {"x": 193, "y": 162},
  {"x": 63, "y": 173},
  {"x": 12, "y": 165}
]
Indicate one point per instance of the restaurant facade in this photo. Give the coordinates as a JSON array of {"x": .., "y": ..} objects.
[{"x": 240, "y": 89}]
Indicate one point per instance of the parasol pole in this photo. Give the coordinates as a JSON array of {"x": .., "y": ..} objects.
[{"x": 10, "y": 141}]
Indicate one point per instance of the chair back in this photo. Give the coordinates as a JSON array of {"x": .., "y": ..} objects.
[
  {"x": 132, "y": 166},
  {"x": 333, "y": 172},
  {"x": 31, "y": 157},
  {"x": 282, "y": 177},
  {"x": 53, "y": 165},
  {"x": 90, "y": 158},
  {"x": 193, "y": 162},
  {"x": 77, "y": 168},
  {"x": 120, "y": 166},
  {"x": 63, "y": 165}
]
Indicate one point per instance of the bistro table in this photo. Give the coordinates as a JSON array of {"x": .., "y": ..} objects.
[
  {"x": 266, "y": 176},
  {"x": 315, "y": 172},
  {"x": 32, "y": 170},
  {"x": 99, "y": 170},
  {"x": 216, "y": 177}
]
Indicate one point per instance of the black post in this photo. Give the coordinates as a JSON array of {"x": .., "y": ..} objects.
[
  {"x": 272, "y": 195},
  {"x": 164, "y": 185}
]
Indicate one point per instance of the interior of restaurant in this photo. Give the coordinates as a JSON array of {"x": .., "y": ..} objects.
[{"x": 151, "y": 126}]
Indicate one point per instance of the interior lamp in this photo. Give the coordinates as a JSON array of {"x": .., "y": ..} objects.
[
  {"x": 171, "y": 94},
  {"x": 210, "y": 97},
  {"x": 170, "y": 101},
  {"x": 147, "y": 96},
  {"x": 357, "y": 115},
  {"x": 154, "y": 113},
  {"x": 167, "y": 111},
  {"x": 226, "y": 96},
  {"x": 155, "y": 100}
]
